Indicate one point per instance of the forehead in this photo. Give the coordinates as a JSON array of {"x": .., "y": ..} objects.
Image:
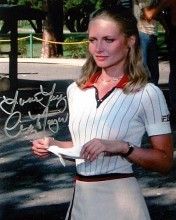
[{"x": 106, "y": 25}]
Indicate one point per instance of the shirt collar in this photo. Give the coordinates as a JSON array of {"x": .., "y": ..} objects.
[{"x": 121, "y": 84}]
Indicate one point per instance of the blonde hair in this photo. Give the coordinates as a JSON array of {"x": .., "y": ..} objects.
[{"x": 134, "y": 66}]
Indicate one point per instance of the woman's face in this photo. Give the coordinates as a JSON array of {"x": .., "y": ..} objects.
[{"x": 107, "y": 44}]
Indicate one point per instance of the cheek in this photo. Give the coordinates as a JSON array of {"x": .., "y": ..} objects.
[
  {"x": 91, "y": 48},
  {"x": 120, "y": 49}
]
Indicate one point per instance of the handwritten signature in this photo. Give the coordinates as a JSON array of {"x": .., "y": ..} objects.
[{"x": 16, "y": 124}]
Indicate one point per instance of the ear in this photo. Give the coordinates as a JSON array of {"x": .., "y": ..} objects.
[{"x": 131, "y": 41}]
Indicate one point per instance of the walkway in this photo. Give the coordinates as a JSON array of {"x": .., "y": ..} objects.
[{"x": 59, "y": 68}]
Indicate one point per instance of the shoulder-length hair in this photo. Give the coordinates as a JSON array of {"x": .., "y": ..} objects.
[{"x": 135, "y": 69}]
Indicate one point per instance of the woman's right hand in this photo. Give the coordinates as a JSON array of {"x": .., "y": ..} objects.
[{"x": 40, "y": 147}]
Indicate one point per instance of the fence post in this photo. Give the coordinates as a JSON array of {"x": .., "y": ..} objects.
[{"x": 31, "y": 45}]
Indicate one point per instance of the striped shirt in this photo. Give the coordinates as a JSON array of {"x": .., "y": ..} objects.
[{"x": 119, "y": 116}]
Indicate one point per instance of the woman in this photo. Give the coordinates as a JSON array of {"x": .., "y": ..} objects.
[{"x": 111, "y": 107}]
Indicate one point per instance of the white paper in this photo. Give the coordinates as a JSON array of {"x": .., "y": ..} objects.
[{"x": 73, "y": 152}]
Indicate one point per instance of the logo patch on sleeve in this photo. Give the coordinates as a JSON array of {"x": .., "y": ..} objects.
[{"x": 165, "y": 118}]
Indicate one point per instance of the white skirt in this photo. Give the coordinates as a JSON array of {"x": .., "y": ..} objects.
[{"x": 118, "y": 199}]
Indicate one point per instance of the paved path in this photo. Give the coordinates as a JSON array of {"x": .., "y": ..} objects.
[{"x": 59, "y": 68}]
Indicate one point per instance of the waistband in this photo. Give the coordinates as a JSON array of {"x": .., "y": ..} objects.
[{"x": 103, "y": 177}]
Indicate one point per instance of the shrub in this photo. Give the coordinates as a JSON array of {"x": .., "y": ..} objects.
[
  {"x": 22, "y": 48},
  {"x": 75, "y": 50}
]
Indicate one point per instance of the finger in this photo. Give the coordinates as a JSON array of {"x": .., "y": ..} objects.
[
  {"x": 86, "y": 150},
  {"x": 89, "y": 143},
  {"x": 43, "y": 141},
  {"x": 95, "y": 155},
  {"x": 92, "y": 152},
  {"x": 88, "y": 146},
  {"x": 39, "y": 150},
  {"x": 38, "y": 141},
  {"x": 40, "y": 144},
  {"x": 46, "y": 141},
  {"x": 40, "y": 155}
]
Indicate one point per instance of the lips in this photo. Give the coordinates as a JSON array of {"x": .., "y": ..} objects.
[{"x": 101, "y": 58}]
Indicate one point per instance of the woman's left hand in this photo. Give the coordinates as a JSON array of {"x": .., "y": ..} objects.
[{"x": 92, "y": 149}]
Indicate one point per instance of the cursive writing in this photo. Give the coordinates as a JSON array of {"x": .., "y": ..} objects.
[{"x": 52, "y": 111}]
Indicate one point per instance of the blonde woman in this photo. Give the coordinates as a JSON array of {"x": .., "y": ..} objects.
[{"x": 111, "y": 106}]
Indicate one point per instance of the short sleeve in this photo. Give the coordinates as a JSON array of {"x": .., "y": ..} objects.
[
  {"x": 155, "y": 111},
  {"x": 70, "y": 93}
]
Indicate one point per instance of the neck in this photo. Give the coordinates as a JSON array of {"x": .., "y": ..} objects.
[
  {"x": 104, "y": 80},
  {"x": 111, "y": 77},
  {"x": 112, "y": 72}
]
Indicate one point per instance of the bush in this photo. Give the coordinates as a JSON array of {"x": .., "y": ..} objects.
[
  {"x": 75, "y": 50},
  {"x": 22, "y": 48}
]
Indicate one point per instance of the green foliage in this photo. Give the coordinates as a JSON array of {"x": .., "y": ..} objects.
[
  {"x": 75, "y": 50},
  {"x": 33, "y": 3},
  {"x": 67, "y": 3},
  {"x": 22, "y": 48},
  {"x": 73, "y": 3},
  {"x": 23, "y": 2},
  {"x": 12, "y": 2}
]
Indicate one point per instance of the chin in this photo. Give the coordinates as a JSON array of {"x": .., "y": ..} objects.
[
  {"x": 101, "y": 64},
  {"x": 104, "y": 66}
]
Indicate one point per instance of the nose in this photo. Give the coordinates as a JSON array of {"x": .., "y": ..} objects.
[{"x": 99, "y": 46}]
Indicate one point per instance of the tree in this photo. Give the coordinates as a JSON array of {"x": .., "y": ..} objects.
[{"x": 53, "y": 29}]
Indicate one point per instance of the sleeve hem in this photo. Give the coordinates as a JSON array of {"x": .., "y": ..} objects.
[{"x": 159, "y": 128}]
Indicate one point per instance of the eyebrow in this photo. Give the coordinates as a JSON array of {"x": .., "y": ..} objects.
[{"x": 108, "y": 36}]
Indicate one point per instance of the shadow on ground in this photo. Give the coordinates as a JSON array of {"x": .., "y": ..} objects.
[{"x": 52, "y": 212}]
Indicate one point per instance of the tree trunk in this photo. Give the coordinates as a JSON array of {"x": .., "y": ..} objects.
[{"x": 53, "y": 29}]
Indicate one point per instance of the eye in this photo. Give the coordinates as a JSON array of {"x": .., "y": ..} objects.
[
  {"x": 109, "y": 40},
  {"x": 92, "y": 40}
]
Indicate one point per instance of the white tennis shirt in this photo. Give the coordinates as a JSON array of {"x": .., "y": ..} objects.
[{"x": 118, "y": 117}]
